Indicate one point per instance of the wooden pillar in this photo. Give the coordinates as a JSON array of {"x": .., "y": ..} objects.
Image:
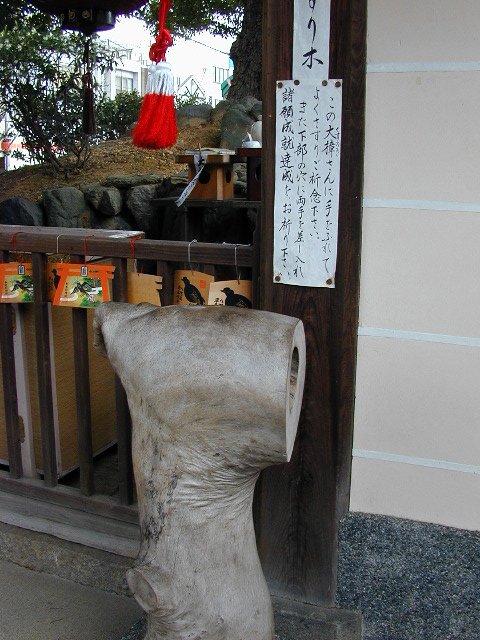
[{"x": 298, "y": 506}]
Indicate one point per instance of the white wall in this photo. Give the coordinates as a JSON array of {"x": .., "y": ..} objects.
[
  {"x": 417, "y": 418},
  {"x": 197, "y": 56}
]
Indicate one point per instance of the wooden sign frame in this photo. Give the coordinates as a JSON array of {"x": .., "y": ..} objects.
[{"x": 298, "y": 506}]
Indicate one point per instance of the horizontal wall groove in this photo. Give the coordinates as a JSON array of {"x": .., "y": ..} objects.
[
  {"x": 423, "y": 205},
  {"x": 422, "y": 67},
  {"x": 417, "y": 336},
  {"x": 418, "y": 462}
]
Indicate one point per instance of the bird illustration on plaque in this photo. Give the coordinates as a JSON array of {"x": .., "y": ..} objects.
[
  {"x": 191, "y": 287},
  {"x": 16, "y": 282},
  {"x": 81, "y": 285},
  {"x": 231, "y": 293}
]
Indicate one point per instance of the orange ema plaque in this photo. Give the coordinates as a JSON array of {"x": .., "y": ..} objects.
[{"x": 82, "y": 285}]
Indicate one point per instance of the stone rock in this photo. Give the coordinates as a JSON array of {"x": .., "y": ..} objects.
[
  {"x": 112, "y": 223},
  {"x": 111, "y": 202},
  {"x": 140, "y": 204},
  {"x": 129, "y": 181},
  {"x": 235, "y": 124},
  {"x": 256, "y": 110},
  {"x": 176, "y": 184},
  {"x": 67, "y": 207},
  {"x": 240, "y": 179},
  {"x": 192, "y": 114},
  {"x": 240, "y": 171},
  {"x": 219, "y": 111},
  {"x": 21, "y": 211},
  {"x": 93, "y": 193},
  {"x": 252, "y": 106},
  {"x": 105, "y": 200}
]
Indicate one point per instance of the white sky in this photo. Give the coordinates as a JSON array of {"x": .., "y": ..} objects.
[{"x": 186, "y": 57}]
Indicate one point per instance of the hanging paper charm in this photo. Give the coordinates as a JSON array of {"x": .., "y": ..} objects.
[{"x": 157, "y": 127}]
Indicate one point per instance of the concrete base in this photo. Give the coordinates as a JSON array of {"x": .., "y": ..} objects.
[
  {"x": 36, "y": 606},
  {"x": 106, "y": 571},
  {"x": 50, "y": 555},
  {"x": 298, "y": 621}
]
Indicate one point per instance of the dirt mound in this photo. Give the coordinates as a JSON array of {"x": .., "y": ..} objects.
[{"x": 115, "y": 157}]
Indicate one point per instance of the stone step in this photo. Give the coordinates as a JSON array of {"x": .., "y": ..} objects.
[{"x": 105, "y": 571}]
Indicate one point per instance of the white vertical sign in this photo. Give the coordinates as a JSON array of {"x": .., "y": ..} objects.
[
  {"x": 311, "y": 39},
  {"x": 307, "y": 178}
]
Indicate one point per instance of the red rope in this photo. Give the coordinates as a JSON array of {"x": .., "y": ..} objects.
[
  {"x": 85, "y": 248},
  {"x": 13, "y": 240},
  {"x": 164, "y": 38},
  {"x": 132, "y": 245}
]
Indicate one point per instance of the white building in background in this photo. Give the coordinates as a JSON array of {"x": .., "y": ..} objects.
[
  {"x": 200, "y": 66},
  {"x": 129, "y": 74},
  {"x": 204, "y": 58}
]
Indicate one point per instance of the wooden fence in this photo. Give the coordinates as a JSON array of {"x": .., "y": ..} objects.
[{"x": 39, "y": 243}]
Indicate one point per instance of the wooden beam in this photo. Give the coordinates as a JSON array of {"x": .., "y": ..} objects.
[
  {"x": 168, "y": 250},
  {"x": 12, "y": 423},
  {"x": 298, "y": 505}
]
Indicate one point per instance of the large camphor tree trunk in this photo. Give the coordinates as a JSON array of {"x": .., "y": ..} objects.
[{"x": 246, "y": 53}]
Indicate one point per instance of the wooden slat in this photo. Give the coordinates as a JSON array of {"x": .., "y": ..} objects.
[
  {"x": 10, "y": 386},
  {"x": 44, "y": 371},
  {"x": 166, "y": 270},
  {"x": 124, "y": 424},
  {"x": 82, "y": 393},
  {"x": 68, "y": 497},
  {"x": 297, "y": 505}
]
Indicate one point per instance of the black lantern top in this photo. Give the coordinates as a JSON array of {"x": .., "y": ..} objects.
[{"x": 88, "y": 16}]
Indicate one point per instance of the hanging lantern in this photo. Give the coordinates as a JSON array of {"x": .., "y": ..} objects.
[{"x": 88, "y": 16}]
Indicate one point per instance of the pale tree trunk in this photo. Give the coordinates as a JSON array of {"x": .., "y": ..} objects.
[
  {"x": 246, "y": 53},
  {"x": 215, "y": 395}
]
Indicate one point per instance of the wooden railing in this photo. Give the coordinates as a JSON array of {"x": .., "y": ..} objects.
[{"x": 39, "y": 243}]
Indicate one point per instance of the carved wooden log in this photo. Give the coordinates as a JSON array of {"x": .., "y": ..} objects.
[{"x": 215, "y": 395}]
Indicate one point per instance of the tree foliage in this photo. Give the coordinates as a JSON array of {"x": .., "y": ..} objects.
[
  {"x": 225, "y": 18},
  {"x": 41, "y": 87},
  {"x": 116, "y": 116},
  {"x": 220, "y": 17}
]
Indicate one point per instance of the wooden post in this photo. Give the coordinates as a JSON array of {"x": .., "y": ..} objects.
[
  {"x": 44, "y": 369},
  {"x": 82, "y": 394},
  {"x": 124, "y": 423},
  {"x": 7, "y": 352},
  {"x": 298, "y": 506}
]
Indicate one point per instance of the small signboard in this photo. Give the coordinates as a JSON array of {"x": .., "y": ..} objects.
[
  {"x": 311, "y": 39},
  {"x": 307, "y": 179}
]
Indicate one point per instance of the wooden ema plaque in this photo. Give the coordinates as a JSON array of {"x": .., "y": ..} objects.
[{"x": 216, "y": 180}]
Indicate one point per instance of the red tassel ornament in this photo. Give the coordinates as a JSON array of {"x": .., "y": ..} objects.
[{"x": 157, "y": 125}]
